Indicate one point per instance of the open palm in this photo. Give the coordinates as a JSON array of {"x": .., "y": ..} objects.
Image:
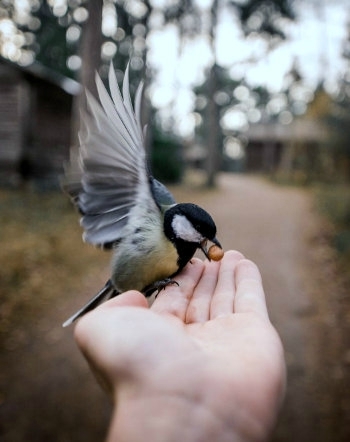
[{"x": 207, "y": 342}]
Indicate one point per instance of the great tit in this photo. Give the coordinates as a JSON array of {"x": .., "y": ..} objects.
[{"x": 123, "y": 207}]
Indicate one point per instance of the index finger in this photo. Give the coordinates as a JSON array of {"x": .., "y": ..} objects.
[
  {"x": 250, "y": 296},
  {"x": 174, "y": 299}
]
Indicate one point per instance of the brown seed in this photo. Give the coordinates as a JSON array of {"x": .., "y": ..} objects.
[{"x": 215, "y": 253}]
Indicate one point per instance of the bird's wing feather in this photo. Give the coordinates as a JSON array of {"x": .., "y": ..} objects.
[
  {"x": 109, "y": 177},
  {"x": 161, "y": 194}
]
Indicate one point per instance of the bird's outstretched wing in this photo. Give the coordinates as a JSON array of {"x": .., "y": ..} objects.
[{"x": 112, "y": 174}]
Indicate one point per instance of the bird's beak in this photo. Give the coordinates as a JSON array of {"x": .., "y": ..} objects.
[{"x": 204, "y": 246}]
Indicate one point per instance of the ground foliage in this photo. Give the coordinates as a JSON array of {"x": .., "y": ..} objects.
[{"x": 41, "y": 253}]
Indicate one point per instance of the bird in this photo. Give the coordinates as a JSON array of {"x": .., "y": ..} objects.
[{"x": 123, "y": 207}]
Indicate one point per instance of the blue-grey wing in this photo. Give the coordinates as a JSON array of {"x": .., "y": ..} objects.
[
  {"x": 161, "y": 194},
  {"x": 108, "y": 176}
]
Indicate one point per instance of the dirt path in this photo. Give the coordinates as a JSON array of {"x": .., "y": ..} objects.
[{"x": 53, "y": 397}]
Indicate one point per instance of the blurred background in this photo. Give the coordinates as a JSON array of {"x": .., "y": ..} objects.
[{"x": 248, "y": 111}]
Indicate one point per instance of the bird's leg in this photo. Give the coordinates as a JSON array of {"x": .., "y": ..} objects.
[
  {"x": 114, "y": 294},
  {"x": 159, "y": 286}
]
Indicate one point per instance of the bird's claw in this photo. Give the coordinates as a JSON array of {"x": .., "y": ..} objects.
[
  {"x": 159, "y": 286},
  {"x": 165, "y": 284}
]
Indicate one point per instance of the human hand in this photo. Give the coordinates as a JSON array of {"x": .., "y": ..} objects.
[{"x": 203, "y": 363}]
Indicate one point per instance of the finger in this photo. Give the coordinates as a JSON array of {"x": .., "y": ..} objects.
[
  {"x": 199, "y": 305},
  {"x": 223, "y": 298},
  {"x": 174, "y": 299},
  {"x": 250, "y": 296},
  {"x": 131, "y": 298}
]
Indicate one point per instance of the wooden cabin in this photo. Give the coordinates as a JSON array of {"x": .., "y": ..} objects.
[
  {"x": 273, "y": 146},
  {"x": 35, "y": 124}
]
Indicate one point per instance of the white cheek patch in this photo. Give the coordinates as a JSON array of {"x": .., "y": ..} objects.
[{"x": 184, "y": 229}]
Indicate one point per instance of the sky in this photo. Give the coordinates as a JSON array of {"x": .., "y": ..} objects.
[
  {"x": 314, "y": 45},
  {"x": 314, "y": 40}
]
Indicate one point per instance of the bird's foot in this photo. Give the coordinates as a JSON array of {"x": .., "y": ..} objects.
[{"x": 159, "y": 286}]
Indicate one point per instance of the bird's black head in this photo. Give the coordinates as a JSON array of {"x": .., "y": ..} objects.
[{"x": 189, "y": 227}]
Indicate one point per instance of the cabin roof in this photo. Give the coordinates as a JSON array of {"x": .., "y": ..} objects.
[{"x": 42, "y": 72}]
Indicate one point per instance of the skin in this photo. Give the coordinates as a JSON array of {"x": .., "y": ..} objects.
[{"x": 202, "y": 363}]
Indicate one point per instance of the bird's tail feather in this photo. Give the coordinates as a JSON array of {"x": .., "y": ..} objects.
[{"x": 107, "y": 292}]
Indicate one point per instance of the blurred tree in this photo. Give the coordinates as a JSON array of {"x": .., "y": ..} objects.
[
  {"x": 339, "y": 121},
  {"x": 213, "y": 137},
  {"x": 166, "y": 160},
  {"x": 50, "y": 46},
  {"x": 17, "y": 31},
  {"x": 107, "y": 34},
  {"x": 263, "y": 17},
  {"x": 80, "y": 36},
  {"x": 90, "y": 45},
  {"x": 90, "y": 55}
]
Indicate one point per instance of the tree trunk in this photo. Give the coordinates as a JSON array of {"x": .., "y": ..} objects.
[
  {"x": 213, "y": 131},
  {"x": 212, "y": 117},
  {"x": 90, "y": 53}
]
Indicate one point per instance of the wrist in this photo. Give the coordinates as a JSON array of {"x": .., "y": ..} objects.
[
  {"x": 168, "y": 418},
  {"x": 188, "y": 411}
]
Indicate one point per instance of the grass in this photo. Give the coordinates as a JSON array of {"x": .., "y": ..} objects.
[
  {"x": 333, "y": 201},
  {"x": 42, "y": 253}
]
